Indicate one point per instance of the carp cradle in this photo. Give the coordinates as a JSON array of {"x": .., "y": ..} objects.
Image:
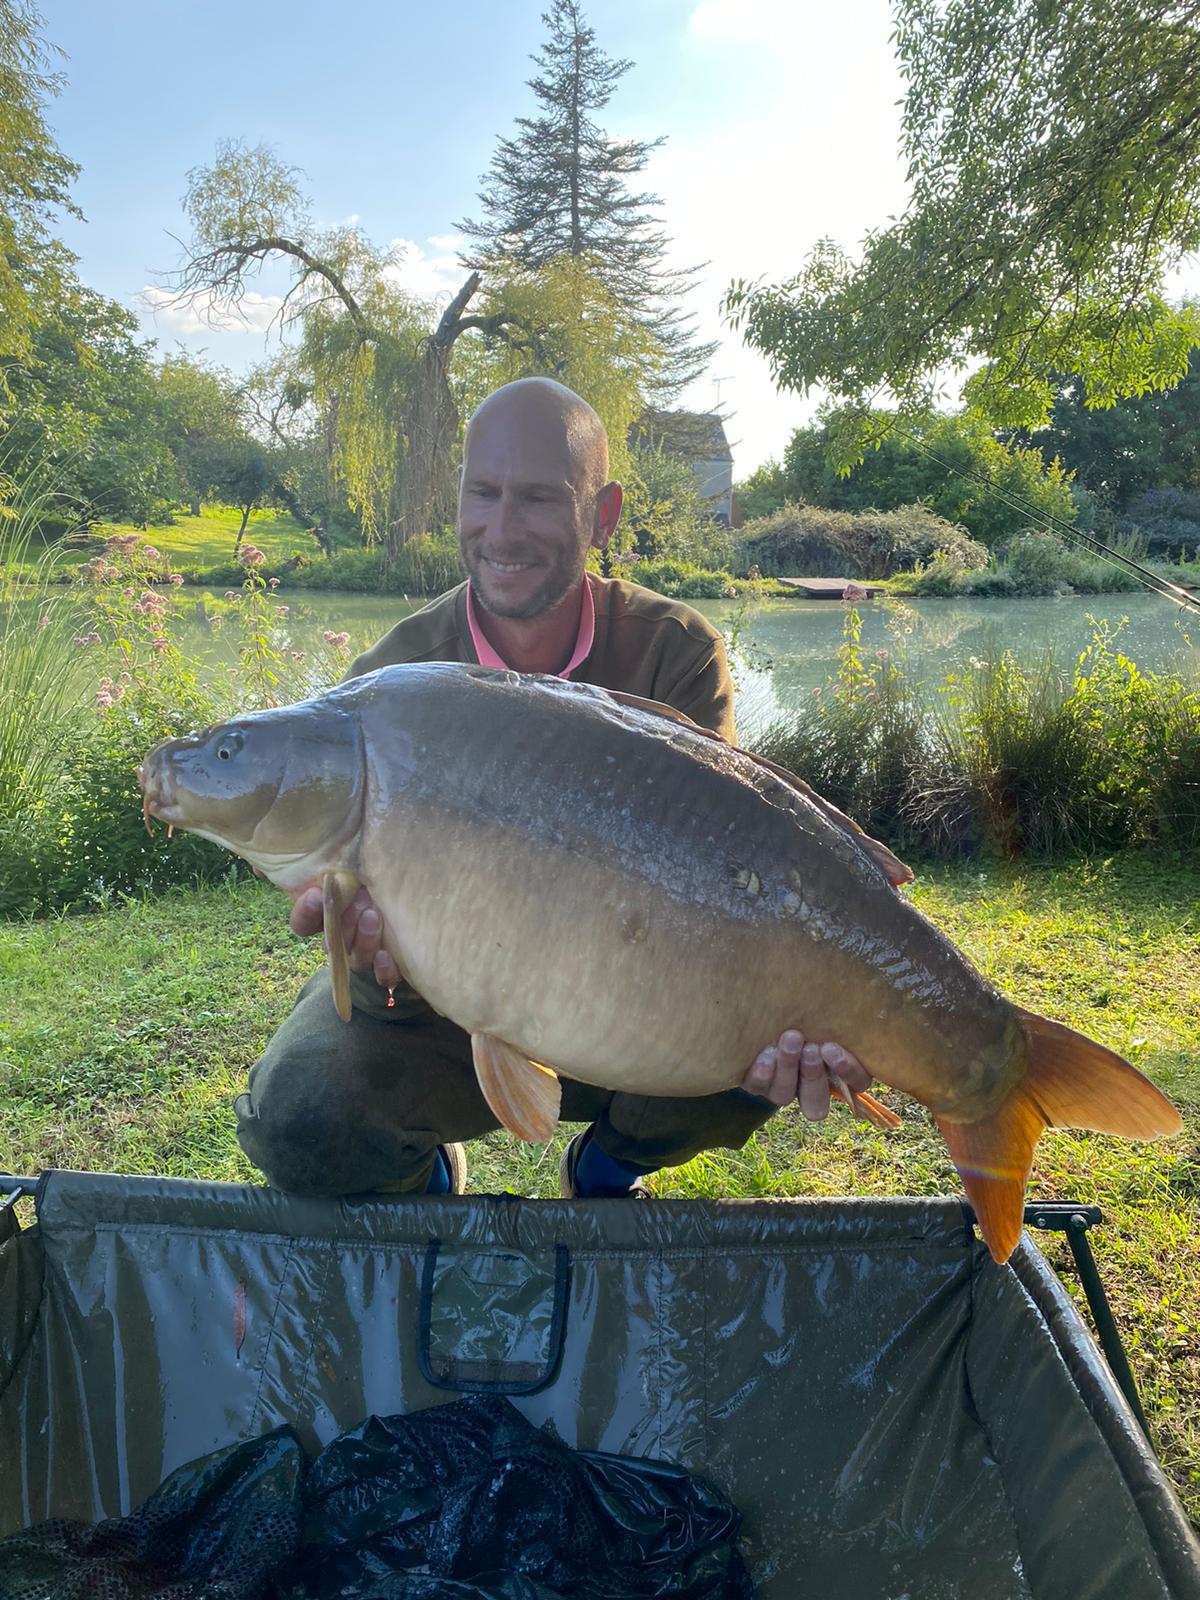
[{"x": 894, "y": 1415}]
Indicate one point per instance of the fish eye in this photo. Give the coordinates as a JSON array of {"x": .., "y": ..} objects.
[{"x": 229, "y": 746}]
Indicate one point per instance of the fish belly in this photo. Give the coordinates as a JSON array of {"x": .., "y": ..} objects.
[{"x": 633, "y": 908}]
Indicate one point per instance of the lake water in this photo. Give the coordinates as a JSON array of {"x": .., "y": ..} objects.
[{"x": 787, "y": 648}]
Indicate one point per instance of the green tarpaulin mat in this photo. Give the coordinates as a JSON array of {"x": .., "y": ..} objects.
[{"x": 895, "y": 1417}]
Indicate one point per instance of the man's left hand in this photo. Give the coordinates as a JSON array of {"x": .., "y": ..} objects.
[{"x": 798, "y": 1069}]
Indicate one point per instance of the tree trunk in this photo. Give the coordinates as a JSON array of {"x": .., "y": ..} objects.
[
  {"x": 195, "y": 507},
  {"x": 241, "y": 533},
  {"x": 425, "y": 495}
]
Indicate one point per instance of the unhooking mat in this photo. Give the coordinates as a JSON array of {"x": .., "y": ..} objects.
[{"x": 465, "y": 1501}]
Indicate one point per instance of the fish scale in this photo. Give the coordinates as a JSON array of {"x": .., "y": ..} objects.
[{"x": 585, "y": 885}]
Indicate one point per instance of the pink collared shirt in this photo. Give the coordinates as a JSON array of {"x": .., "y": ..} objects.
[{"x": 583, "y": 643}]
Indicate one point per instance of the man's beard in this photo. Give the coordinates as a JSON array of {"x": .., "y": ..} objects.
[{"x": 557, "y": 584}]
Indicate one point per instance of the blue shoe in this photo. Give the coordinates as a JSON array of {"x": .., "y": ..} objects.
[{"x": 635, "y": 1189}]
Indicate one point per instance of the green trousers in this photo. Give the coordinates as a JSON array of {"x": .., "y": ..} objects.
[{"x": 336, "y": 1108}]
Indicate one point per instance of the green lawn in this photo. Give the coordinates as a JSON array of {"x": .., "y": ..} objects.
[
  {"x": 126, "y": 1033},
  {"x": 203, "y": 541}
]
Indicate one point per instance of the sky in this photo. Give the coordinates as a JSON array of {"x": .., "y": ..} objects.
[{"x": 780, "y": 120}]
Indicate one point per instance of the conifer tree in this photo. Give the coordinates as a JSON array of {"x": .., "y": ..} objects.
[{"x": 560, "y": 187}]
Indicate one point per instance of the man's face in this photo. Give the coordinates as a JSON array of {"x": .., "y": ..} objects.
[{"x": 526, "y": 514}]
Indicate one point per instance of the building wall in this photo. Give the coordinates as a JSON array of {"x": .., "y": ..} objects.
[{"x": 714, "y": 479}]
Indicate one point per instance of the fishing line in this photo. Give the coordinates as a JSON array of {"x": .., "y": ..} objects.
[{"x": 1101, "y": 551}]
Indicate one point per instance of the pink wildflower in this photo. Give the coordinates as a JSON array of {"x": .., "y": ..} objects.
[
  {"x": 43, "y": 621},
  {"x": 159, "y": 643},
  {"x": 297, "y": 655},
  {"x": 251, "y": 556},
  {"x": 151, "y": 554},
  {"x": 176, "y": 579},
  {"x": 282, "y": 611},
  {"x": 338, "y": 641},
  {"x": 103, "y": 699},
  {"x": 231, "y": 594},
  {"x": 854, "y": 592},
  {"x": 274, "y": 582},
  {"x": 881, "y": 655}
]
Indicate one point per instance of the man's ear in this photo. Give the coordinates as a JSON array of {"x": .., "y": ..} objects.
[{"x": 608, "y": 513}]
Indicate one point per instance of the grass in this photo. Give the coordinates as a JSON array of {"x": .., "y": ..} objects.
[
  {"x": 203, "y": 541},
  {"x": 126, "y": 1033}
]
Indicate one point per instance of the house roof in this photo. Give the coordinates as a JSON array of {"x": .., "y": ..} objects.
[{"x": 691, "y": 435}]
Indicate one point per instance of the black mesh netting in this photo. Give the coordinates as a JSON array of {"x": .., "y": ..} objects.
[{"x": 461, "y": 1502}]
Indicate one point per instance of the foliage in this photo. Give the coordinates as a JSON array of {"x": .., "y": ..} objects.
[
  {"x": 1055, "y": 181},
  {"x": 560, "y": 188},
  {"x": 83, "y": 842},
  {"x": 664, "y": 515},
  {"x": 764, "y": 491},
  {"x": 680, "y": 580},
  {"x": 938, "y": 459},
  {"x": 427, "y": 564},
  {"x": 1143, "y": 443},
  {"x": 808, "y": 541},
  {"x": 84, "y": 404},
  {"x": 1033, "y": 564},
  {"x": 40, "y": 707},
  {"x": 1018, "y": 760},
  {"x": 1166, "y": 518},
  {"x": 562, "y": 321},
  {"x": 35, "y": 180}
]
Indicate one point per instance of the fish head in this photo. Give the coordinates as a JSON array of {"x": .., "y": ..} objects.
[{"x": 283, "y": 789}]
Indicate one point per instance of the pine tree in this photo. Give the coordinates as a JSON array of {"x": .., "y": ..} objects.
[{"x": 560, "y": 187}]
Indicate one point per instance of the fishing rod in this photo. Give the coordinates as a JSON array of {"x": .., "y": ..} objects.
[{"x": 1151, "y": 580}]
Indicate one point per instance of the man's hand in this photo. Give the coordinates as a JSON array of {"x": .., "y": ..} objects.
[
  {"x": 795, "y": 1069},
  {"x": 362, "y": 929}
]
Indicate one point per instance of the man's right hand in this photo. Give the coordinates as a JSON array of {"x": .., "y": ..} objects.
[{"x": 362, "y": 930}]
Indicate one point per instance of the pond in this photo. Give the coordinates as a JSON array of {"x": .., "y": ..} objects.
[
  {"x": 784, "y": 649},
  {"x": 787, "y": 648}
]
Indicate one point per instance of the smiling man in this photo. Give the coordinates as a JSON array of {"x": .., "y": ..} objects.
[{"x": 383, "y": 1103}]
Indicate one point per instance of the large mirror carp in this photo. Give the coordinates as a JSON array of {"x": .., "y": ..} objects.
[{"x": 592, "y": 887}]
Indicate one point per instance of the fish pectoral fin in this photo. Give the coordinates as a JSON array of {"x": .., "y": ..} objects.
[
  {"x": 337, "y": 891},
  {"x": 993, "y": 1157},
  {"x": 524, "y": 1095}
]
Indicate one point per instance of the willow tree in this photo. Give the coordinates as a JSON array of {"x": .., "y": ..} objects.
[
  {"x": 1054, "y": 161},
  {"x": 389, "y": 374}
]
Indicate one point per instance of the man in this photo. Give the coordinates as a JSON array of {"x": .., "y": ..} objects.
[{"x": 383, "y": 1103}]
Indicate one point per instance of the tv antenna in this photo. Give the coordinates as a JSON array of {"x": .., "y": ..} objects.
[{"x": 719, "y": 382}]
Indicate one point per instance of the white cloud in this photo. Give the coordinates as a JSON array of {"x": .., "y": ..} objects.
[
  {"x": 447, "y": 241},
  {"x": 428, "y": 276},
  {"x": 753, "y": 195},
  {"x": 204, "y": 313}
]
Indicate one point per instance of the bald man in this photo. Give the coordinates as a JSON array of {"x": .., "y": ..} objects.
[{"x": 382, "y": 1104}]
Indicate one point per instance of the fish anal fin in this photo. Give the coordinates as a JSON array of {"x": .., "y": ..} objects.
[
  {"x": 865, "y": 1106},
  {"x": 337, "y": 891},
  {"x": 524, "y": 1095},
  {"x": 1078, "y": 1083},
  {"x": 993, "y": 1157}
]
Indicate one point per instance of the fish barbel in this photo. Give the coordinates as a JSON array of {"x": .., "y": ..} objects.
[{"x": 592, "y": 888}]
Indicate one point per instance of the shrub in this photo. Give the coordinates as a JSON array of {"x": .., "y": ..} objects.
[
  {"x": 1165, "y": 518},
  {"x": 1020, "y": 760},
  {"x": 426, "y": 565},
  {"x": 84, "y": 841},
  {"x": 680, "y": 580},
  {"x": 805, "y": 541}
]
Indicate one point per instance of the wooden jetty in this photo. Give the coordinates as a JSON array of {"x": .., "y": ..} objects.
[{"x": 828, "y": 588}]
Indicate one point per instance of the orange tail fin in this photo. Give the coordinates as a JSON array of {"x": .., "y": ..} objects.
[{"x": 1070, "y": 1082}]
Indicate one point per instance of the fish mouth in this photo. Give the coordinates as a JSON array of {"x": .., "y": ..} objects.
[{"x": 157, "y": 800}]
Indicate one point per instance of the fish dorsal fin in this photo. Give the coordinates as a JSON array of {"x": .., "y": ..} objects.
[
  {"x": 523, "y": 1095},
  {"x": 337, "y": 891},
  {"x": 895, "y": 870}
]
